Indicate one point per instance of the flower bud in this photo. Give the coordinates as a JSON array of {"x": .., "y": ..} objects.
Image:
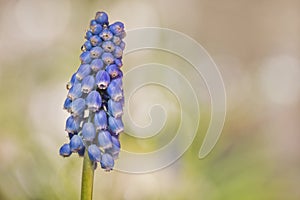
[
  {"x": 93, "y": 101},
  {"x": 88, "y": 131},
  {"x": 94, "y": 153},
  {"x": 96, "y": 65},
  {"x": 76, "y": 143},
  {"x": 83, "y": 71},
  {"x": 102, "y": 79},
  {"x": 77, "y": 107},
  {"x": 100, "y": 120},
  {"x": 107, "y": 162},
  {"x": 87, "y": 84},
  {"x": 72, "y": 125},
  {"x": 115, "y": 125},
  {"x": 65, "y": 150},
  {"x": 85, "y": 57},
  {"x": 75, "y": 91},
  {"x": 104, "y": 139},
  {"x": 101, "y": 18},
  {"x": 115, "y": 108}
]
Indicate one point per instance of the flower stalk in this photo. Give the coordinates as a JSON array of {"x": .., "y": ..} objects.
[{"x": 87, "y": 178}]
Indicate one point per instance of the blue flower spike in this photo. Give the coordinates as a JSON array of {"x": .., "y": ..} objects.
[{"x": 95, "y": 95}]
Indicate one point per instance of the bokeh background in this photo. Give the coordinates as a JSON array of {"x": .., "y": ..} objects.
[{"x": 256, "y": 45}]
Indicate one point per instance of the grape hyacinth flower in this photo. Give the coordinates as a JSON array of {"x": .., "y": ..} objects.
[{"x": 95, "y": 95}]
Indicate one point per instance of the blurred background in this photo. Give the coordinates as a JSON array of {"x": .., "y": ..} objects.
[{"x": 256, "y": 45}]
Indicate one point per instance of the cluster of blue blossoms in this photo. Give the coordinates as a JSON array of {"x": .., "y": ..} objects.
[{"x": 95, "y": 98}]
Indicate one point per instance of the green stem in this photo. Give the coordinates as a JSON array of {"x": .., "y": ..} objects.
[{"x": 87, "y": 178}]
